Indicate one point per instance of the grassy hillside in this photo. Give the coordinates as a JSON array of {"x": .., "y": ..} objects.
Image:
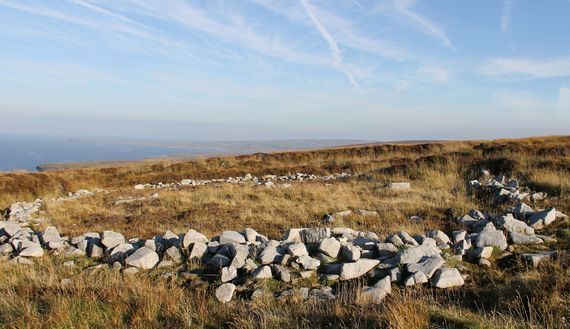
[{"x": 507, "y": 295}]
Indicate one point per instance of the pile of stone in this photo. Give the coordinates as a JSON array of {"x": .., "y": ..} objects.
[
  {"x": 82, "y": 193},
  {"x": 242, "y": 258},
  {"x": 504, "y": 189},
  {"x": 267, "y": 180},
  {"x": 486, "y": 232},
  {"x": 24, "y": 211},
  {"x": 131, "y": 199}
]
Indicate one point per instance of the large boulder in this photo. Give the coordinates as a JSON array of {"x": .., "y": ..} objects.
[
  {"x": 225, "y": 292},
  {"x": 447, "y": 278},
  {"x": 143, "y": 258},
  {"x": 354, "y": 270}
]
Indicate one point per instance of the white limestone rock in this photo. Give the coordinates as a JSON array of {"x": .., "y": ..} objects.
[
  {"x": 111, "y": 239},
  {"x": 378, "y": 292},
  {"x": 225, "y": 292},
  {"x": 360, "y": 267},
  {"x": 191, "y": 237},
  {"x": 447, "y": 278},
  {"x": 330, "y": 247},
  {"x": 228, "y": 274},
  {"x": 143, "y": 258}
]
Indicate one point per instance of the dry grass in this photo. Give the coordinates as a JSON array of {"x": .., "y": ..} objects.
[{"x": 499, "y": 297}]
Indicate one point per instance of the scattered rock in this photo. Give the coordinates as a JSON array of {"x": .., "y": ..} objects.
[
  {"x": 534, "y": 259},
  {"x": 399, "y": 186},
  {"x": 143, "y": 258},
  {"x": 228, "y": 274},
  {"x": 415, "y": 279},
  {"x": 354, "y": 270},
  {"x": 447, "y": 278},
  {"x": 192, "y": 237},
  {"x": 225, "y": 292},
  {"x": 542, "y": 218},
  {"x": 524, "y": 239},
  {"x": 378, "y": 292},
  {"x": 111, "y": 239},
  {"x": 330, "y": 247},
  {"x": 261, "y": 273},
  {"x": 491, "y": 238},
  {"x": 231, "y": 237}
]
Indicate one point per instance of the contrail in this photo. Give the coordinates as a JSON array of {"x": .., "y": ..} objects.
[{"x": 333, "y": 46}]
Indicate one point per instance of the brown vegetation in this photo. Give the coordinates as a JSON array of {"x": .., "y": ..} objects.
[{"x": 492, "y": 298}]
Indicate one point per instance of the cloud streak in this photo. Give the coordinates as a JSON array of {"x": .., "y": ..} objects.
[
  {"x": 333, "y": 46},
  {"x": 506, "y": 14},
  {"x": 427, "y": 27},
  {"x": 528, "y": 68}
]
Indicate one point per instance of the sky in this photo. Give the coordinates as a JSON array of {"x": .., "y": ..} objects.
[{"x": 285, "y": 69}]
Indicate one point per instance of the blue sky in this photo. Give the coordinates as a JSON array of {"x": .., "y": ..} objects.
[{"x": 282, "y": 69}]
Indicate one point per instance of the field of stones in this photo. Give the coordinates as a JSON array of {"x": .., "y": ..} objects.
[{"x": 439, "y": 235}]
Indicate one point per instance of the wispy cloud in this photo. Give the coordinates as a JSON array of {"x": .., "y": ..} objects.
[
  {"x": 335, "y": 51},
  {"x": 427, "y": 26},
  {"x": 506, "y": 14},
  {"x": 357, "y": 3},
  {"x": 115, "y": 25},
  {"x": 528, "y": 68},
  {"x": 523, "y": 101},
  {"x": 345, "y": 32}
]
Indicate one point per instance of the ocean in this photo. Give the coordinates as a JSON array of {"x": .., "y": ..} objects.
[{"x": 29, "y": 152}]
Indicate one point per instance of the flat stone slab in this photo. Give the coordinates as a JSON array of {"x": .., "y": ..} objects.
[{"x": 354, "y": 270}]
